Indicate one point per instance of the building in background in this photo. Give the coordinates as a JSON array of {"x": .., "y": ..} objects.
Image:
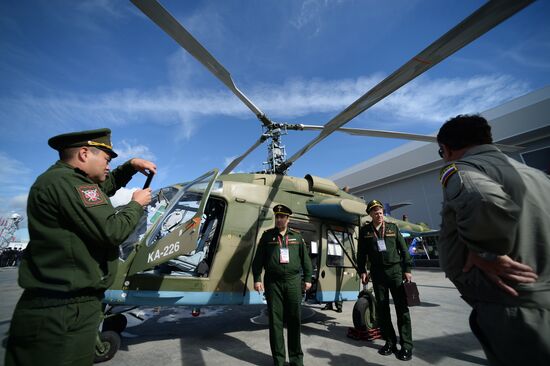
[{"x": 407, "y": 178}]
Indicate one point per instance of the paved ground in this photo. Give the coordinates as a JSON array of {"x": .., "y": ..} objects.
[{"x": 226, "y": 336}]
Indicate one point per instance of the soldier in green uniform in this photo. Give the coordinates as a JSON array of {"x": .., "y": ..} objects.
[
  {"x": 383, "y": 248},
  {"x": 496, "y": 215},
  {"x": 283, "y": 254},
  {"x": 73, "y": 250}
]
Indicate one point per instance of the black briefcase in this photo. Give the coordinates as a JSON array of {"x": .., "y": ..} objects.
[{"x": 411, "y": 292}]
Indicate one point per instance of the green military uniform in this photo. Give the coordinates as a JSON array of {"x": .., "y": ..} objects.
[
  {"x": 386, "y": 270},
  {"x": 493, "y": 204},
  {"x": 69, "y": 262},
  {"x": 283, "y": 289}
]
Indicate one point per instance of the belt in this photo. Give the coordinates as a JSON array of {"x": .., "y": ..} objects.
[{"x": 39, "y": 298}]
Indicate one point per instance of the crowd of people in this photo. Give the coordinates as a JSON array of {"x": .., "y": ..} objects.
[{"x": 10, "y": 257}]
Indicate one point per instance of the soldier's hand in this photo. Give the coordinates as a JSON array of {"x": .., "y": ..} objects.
[
  {"x": 144, "y": 166},
  {"x": 142, "y": 196},
  {"x": 258, "y": 286},
  {"x": 503, "y": 267},
  {"x": 307, "y": 286},
  {"x": 364, "y": 278},
  {"x": 407, "y": 277}
]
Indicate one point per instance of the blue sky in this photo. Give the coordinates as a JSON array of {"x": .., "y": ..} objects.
[{"x": 74, "y": 65}]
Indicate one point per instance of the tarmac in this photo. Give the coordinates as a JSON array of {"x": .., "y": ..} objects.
[{"x": 225, "y": 335}]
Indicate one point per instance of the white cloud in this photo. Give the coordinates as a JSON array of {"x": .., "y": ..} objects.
[
  {"x": 128, "y": 149},
  {"x": 424, "y": 98},
  {"x": 434, "y": 101},
  {"x": 12, "y": 171}
]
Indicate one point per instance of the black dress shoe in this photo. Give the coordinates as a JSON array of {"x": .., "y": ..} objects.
[
  {"x": 328, "y": 306},
  {"x": 388, "y": 349},
  {"x": 405, "y": 354}
]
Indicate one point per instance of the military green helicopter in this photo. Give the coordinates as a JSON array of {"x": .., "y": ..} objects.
[{"x": 195, "y": 244}]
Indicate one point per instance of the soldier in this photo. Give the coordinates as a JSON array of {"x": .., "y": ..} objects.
[
  {"x": 73, "y": 250},
  {"x": 382, "y": 246},
  {"x": 496, "y": 214},
  {"x": 282, "y": 252}
]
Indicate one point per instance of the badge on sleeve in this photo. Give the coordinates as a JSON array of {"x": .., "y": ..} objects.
[
  {"x": 446, "y": 173},
  {"x": 91, "y": 195}
]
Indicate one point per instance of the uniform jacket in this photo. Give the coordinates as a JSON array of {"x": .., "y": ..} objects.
[
  {"x": 267, "y": 256},
  {"x": 74, "y": 230},
  {"x": 495, "y": 204},
  {"x": 396, "y": 249}
]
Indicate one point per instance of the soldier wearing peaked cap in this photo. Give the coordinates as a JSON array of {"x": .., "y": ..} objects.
[
  {"x": 282, "y": 253},
  {"x": 73, "y": 250},
  {"x": 383, "y": 250},
  {"x": 494, "y": 243}
]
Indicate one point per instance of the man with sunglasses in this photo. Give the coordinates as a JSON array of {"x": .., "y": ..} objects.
[{"x": 494, "y": 243}]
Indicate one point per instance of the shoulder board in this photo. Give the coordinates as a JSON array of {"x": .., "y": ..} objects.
[
  {"x": 294, "y": 230},
  {"x": 91, "y": 195},
  {"x": 446, "y": 173}
]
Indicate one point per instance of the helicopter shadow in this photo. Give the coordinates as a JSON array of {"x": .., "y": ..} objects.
[{"x": 203, "y": 334}]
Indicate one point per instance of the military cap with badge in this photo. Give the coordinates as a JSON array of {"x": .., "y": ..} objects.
[
  {"x": 372, "y": 204},
  {"x": 100, "y": 139},
  {"x": 282, "y": 210}
]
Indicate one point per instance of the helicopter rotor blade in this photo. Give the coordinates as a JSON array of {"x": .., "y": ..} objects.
[
  {"x": 481, "y": 21},
  {"x": 174, "y": 29},
  {"x": 376, "y": 133},
  {"x": 399, "y": 135},
  {"x": 238, "y": 160}
]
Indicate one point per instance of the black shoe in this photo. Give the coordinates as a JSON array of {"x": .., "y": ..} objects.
[
  {"x": 328, "y": 306},
  {"x": 405, "y": 354},
  {"x": 338, "y": 310},
  {"x": 388, "y": 349}
]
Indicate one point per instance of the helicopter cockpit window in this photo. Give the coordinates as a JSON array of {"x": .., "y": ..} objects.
[
  {"x": 159, "y": 201},
  {"x": 338, "y": 244},
  {"x": 197, "y": 262},
  {"x": 183, "y": 207}
]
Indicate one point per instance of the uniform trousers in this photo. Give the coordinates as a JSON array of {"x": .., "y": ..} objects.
[
  {"x": 284, "y": 297},
  {"x": 512, "y": 335},
  {"x": 53, "y": 332},
  {"x": 390, "y": 279}
]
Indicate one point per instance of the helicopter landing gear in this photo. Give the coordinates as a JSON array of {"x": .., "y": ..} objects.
[{"x": 106, "y": 346}]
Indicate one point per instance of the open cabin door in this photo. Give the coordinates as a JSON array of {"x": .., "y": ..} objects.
[
  {"x": 338, "y": 279},
  {"x": 176, "y": 233}
]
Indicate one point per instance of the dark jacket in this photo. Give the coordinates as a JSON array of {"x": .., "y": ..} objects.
[
  {"x": 396, "y": 249},
  {"x": 74, "y": 230},
  {"x": 268, "y": 256}
]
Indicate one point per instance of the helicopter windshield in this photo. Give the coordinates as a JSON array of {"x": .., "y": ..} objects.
[
  {"x": 170, "y": 206},
  {"x": 160, "y": 199}
]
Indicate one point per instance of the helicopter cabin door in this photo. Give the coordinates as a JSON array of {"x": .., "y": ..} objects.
[
  {"x": 177, "y": 232},
  {"x": 338, "y": 280}
]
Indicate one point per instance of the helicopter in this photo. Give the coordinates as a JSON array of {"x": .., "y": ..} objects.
[{"x": 195, "y": 243}]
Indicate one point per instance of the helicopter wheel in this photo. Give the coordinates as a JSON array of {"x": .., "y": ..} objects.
[
  {"x": 115, "y": 322},
  {"x": 363, "y": 313},
  {"x": 110, "y": 343}
]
